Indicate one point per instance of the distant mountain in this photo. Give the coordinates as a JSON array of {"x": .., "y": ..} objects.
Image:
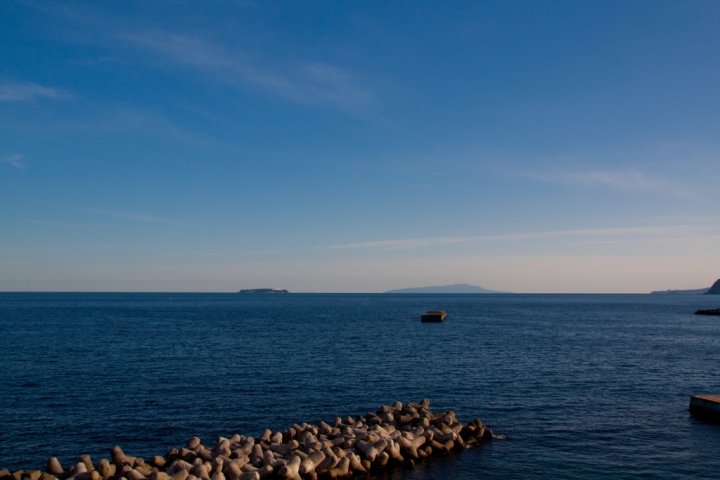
[
  {"x": 698, "y": 291},
  {"x": 264, "y": 290},
  {"x": 715, "y": 289},
  {"x": 457, "y": 288}
]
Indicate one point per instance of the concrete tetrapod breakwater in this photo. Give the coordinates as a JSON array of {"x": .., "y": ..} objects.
[{"x": 394, "y": 435}]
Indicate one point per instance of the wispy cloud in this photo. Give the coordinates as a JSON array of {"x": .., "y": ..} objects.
[
  {"x": 50, "y": 223},
  {"x": 16, "y": 92},
  {"x": 137, "y": 217},
  {"x": 312, "y": 83},
  {"x": 408, "y": 243},
  {"x": 623, "y": 180},
  {"x": 703, "y": 238},
  {"x": 14, "y": 160}
]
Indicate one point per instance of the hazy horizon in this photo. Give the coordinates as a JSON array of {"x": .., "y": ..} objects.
[{"x": 527, "y": 147}]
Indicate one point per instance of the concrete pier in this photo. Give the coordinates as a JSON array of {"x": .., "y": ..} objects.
[{"x": 705, "y": 406}]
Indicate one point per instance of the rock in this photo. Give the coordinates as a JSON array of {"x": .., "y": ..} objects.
[
  {"x": 88, "y": 462},
  {"x": 355, "y": 463},
  {"x": 78, "y": 469},
  {"x": 341, "y": 469},
  {"x": 250, "y": 476},
  {"x": 330, "y": 461},
  {"x": 393, "y": 449},
  {"x": 106, "y": 469},
  {"x": 285, "y": 449},
  {"x": 291, "y": 471},
  {"x": 142, "y": 468},
  {"x": 308, "y": 464},
  {"x": 217, "y": 465},
  {"x": 265, "y": 471},
  {"x": 444, "y": 437},
  {"x": 268, "y": 458},
  {"x": 53, "y": 466},
  {"x": 256, "y": 456},
  {"x": 398, "y": 434},
  {"x": 117, "y": 455},
  {"x": 288, "y": 434},
  {"x": 200, "y": 471},
  {"x": 134, "y": 475},
  {"x": 232, "y": 471},
  {"x": 205, "y": 454},
  {"x": 276, "y": 438},
  {"x": 179, "y": 465},
  {"x": 32, "y": 474},
  {"x": 369, "y": 452},
  {"x": 382, "y": 460}
]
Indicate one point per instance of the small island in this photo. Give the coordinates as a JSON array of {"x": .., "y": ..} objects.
[{"x": 264, "y": 290}]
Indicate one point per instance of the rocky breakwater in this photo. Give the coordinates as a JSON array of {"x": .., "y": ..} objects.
[{"x": 394, "y": 435}]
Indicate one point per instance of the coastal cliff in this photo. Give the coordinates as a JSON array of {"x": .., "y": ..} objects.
[
  {"x": 715, "y": 289},
  {"x": 697, "y": 291}
]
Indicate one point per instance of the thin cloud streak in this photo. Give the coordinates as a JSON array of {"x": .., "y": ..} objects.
[
  {"x": 623, "y": 180},
  {"x": 655, "y": 240},
  {"x": 17, "y": 92},
  {"x": 14, "y": 160},
  {"x": 439, "y": 241},
  {"x": 137, "y": 217},
  {"x": 309, "y": 83},
  {"x": 50, "y": 223}
]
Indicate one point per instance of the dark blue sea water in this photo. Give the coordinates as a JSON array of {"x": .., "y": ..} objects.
[{"x": 584, "y": 386}]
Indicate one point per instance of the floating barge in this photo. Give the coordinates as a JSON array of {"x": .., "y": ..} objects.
[
  {"x": 705, "y": 406},
  {"x": 715, "y": 312},
  {"x": 433, "y": 316}
]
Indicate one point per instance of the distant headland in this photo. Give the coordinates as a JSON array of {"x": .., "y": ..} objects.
[
  {"x": 714, "y": 290},
  {"x": 698, "y": 291},
  {"x": 264, "y": 290},
  {"x": 456, "y": 288}
]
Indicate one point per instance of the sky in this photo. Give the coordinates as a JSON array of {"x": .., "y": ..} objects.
[{"x": 540, "y": 147}]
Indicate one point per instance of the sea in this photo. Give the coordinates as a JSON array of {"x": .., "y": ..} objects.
[{"x": 574, "y": 386}]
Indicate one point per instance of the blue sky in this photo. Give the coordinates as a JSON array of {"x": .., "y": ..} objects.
[{"x": 359, "y": 146}]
